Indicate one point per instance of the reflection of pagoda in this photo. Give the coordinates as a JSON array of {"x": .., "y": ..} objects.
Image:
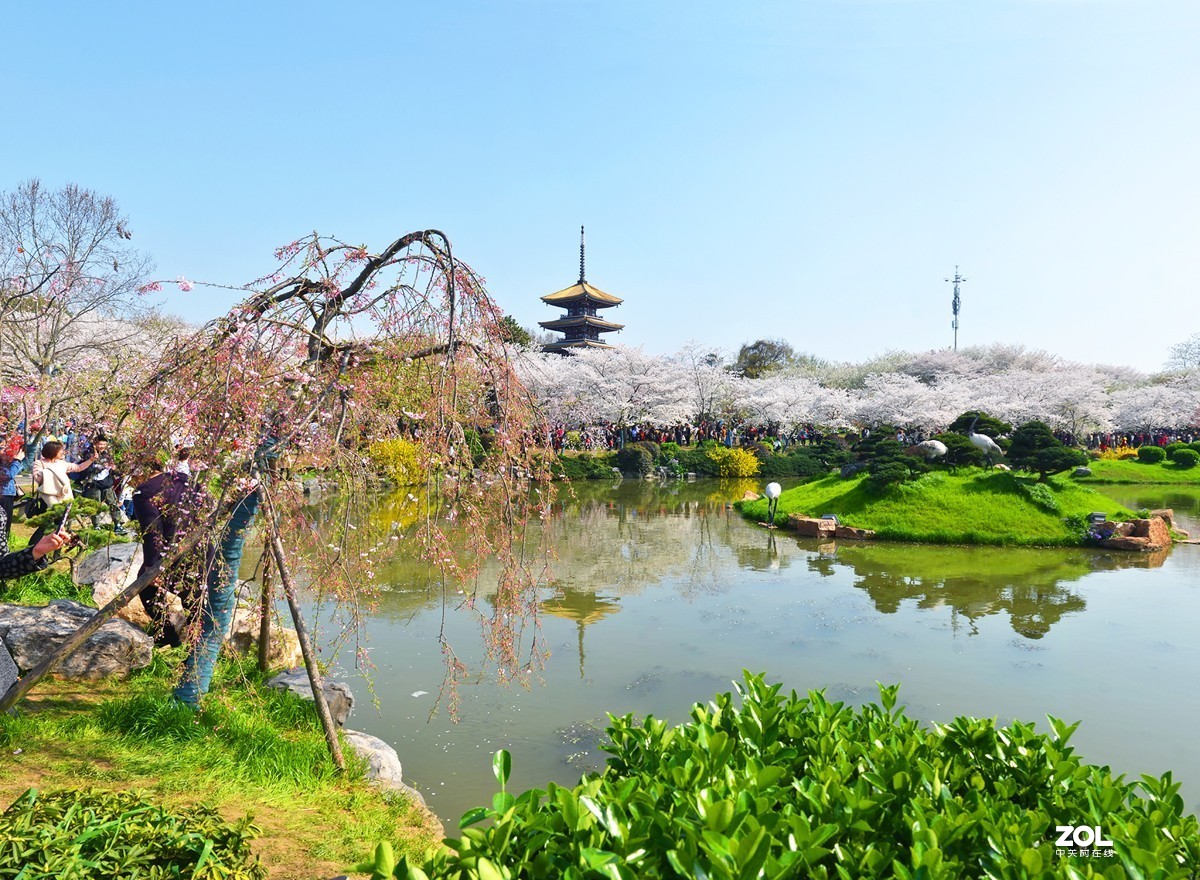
[
  {"x": 581, "y": 606},
  {"x": 580, "y": 326}
]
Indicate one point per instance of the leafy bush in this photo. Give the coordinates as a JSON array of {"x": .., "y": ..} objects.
[
  {"x": 398, "y": 460},
  {"x": 1194, "y": 446},
  {"x": 885, "y": 472},
  {"x": 637, "y": 458},
  {"x": 584, "y": 466},
  {"x": 799, "y": 462},
  {"x": 1187, "y": 458},
  {"x": 1151, "y": 454},
  {"x": 121, "y": 834},
  {"x": 961, "y": 452},
  {"x": 761, "y": 451},
  {"x": 733, "y": 462},
  {"x": 1042, "y": 496},
  {"x": 1171, "y": 448},
  {"x": 802, "y": 787},
  {"x": 697, "y": 461}
]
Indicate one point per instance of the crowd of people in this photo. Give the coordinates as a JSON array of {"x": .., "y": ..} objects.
[{"x": 162, "y": 498}]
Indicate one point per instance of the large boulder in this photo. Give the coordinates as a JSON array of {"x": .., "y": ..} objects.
[
  {"x": 8, "y": 670},
  {"x": 284, "y": 649},
  {"x": 1154, "y": 530},
  {"x": 807, "y": 527},
  {"x": 852, "y": 534},
  {"x": 1126, "y": 542},
  {"x": 110, "y": 573},
  {"x": 383, "y": 767},
  {"x": 107, "y": 560},
  {"x": 1167, "y": 514},
  {"x": 31, "y": 633},
  {"x": 337, "y": 693}
]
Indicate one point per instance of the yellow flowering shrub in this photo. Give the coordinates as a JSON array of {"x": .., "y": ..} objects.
[
  {"x": 733, "y": 462},
  {"x": 398, "y": 460}
]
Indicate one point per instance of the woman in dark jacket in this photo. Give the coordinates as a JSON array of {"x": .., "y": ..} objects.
[{"x": 31, "y": 559}]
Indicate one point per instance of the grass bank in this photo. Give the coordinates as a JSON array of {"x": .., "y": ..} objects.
[
  {"x": 1132, "y": 471},
  {"x": 970, "y": 507},
  {"x": 250, "y": 750}
]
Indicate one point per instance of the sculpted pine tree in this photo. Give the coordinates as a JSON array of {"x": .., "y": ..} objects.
[{"x": 1035, "y": 448}]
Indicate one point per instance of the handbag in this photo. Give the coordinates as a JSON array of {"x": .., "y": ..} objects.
[{"x": 35, "y": 505}]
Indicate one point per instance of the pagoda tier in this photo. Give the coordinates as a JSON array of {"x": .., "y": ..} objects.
[{"x": 580, "y": 326}]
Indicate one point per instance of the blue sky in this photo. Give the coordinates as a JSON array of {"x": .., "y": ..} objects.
[{"x": 810, "y": 170}]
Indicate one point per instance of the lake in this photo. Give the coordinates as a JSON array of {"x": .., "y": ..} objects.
[{"x": 662, "y": 594}]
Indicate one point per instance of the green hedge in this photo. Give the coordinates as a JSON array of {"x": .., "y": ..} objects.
[
  {"x": 788, "y": 787},
  {"x": 1151, "y": 454},
  {"x": 585, "y": 466}
]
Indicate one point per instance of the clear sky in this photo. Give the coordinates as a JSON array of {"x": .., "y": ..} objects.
[{"x": 810, "y": 169}]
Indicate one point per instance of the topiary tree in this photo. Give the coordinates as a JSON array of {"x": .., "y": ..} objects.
[
  {"x": 986, "y": 425},
  {"x": 1035, "y": 448},
  {"x": 960, "y": 452},
  {"x": 1187, "y": 458},
  {"x": 1151, "y": 454}
]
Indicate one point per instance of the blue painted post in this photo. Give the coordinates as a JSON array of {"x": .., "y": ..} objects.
[{"x": 219, "y": 602}]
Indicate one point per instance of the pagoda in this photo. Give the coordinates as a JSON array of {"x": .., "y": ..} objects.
[{"x": 581, "y": 327}]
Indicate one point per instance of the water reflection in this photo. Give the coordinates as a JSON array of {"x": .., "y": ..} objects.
[{"x": 662, "y": 594}]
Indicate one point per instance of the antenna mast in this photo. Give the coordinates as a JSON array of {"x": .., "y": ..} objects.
[{"x": 956, "y": 303}]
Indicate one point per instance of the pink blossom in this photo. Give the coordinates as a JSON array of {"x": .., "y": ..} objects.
[
  {"x": 152, "y": 287},
  {"x": 184, "y": 285}
]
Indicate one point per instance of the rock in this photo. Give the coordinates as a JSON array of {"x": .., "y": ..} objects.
[
  {"x": 807, "y": 527},
  {"x": 750, "y": 496},
  {"x": 1154, "y": 530},
  {"x": 284, "y": 651},
  {"x": 384, "y": 769},
  {"x": 850, "y": 470},
  {"x": 311, "y": 486},
  {"x": 853, "y": 534},
  {"x": 31, "y": 633},
  {"x": 8, "y": 670},
  {"x": 1124, "y": 542},
  {"x": 1167, "y": 514},
  {"x": 121, "y": 572},
  {"x": 1183, "y": 536},
  {"x": 1082, "y": 472},
  {"x": 107, "y": 560},
  {"x": 337, "y": 693}
]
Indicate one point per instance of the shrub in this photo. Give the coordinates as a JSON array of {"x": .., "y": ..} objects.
[
  {"x": 1194, "y": 446},
  {"x": 759, "y": 450},
  {"x": 783, "y": 787},
  {"x": 636, "y": 458},
  {"x": 733, "y": 462},
  {"x": 121, "y": 834},
  {"x": 1042, "y": 496},
  {"x": 1035, "y": 448},
  {"x": 1151, "y": 454},
  {"x": 797, "y": 463},
  {"x": 885, "y": 472},
  {"x": 961, "y": 452},
  {"x": 697, "y": 461},
  {"x": 398, "y": 460},
  {"x": 1171, "y": 448},
  {"x": 586, "y": 467},
  {"x": 1187, "y": 458}
]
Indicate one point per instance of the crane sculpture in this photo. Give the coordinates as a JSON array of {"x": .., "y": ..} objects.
[
  {"x": 983, "y": 442},
  {"x": 928, "y": 449}
]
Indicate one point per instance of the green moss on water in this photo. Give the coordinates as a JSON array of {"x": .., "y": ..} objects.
[{"x": 973, "y": 507}]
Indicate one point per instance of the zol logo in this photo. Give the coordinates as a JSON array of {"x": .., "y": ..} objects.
[{"x": 1082, "y": 836}]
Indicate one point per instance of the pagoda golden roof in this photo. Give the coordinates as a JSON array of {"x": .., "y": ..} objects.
[
  {"x": 580, "y": 321},
  {"x": 579, "y": 290}
]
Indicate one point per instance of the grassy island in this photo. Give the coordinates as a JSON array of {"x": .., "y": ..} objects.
[
  {"x": 972, "y": 506},
  {"x": 1131, "y": 471}
]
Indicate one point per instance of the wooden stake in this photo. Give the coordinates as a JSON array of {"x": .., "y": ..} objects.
[
  {"x": 310, "y": 660},
  {"x": 264, "y": 623}
]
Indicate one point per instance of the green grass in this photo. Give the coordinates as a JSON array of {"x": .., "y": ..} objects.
[
  {"x": 971, "y": 507},
  {"x": 41, "y": 587},
  {"x": 249, "y": 749},
  {"x": 1131, "y": 470}
]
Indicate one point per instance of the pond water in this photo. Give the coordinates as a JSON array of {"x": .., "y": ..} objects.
[{"x": 663, "y": 594}]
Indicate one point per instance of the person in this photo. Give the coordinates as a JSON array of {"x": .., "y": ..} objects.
[
  {"x": 99, "y": 480},
  {"x": 32, "y": 558},
  {"x": 10, "y": 466},
  {"x": 51, "y": 473}
]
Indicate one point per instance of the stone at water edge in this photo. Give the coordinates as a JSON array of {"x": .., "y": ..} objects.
[
  {"x": 31, "y": 633},
  {"x": 1082, "y": 472},
  {"x": 853, "y": 534},
  {"x": 384, "y": 769},
  {"x": 1167, "y": 514},
  {"x": 750, "y": 496},
  {"x": 808, "y": 527},
  {"x": 1154, "y": 530},
  {"x": 1124, "y": 542},
  {"x": 337, "y": 693}
]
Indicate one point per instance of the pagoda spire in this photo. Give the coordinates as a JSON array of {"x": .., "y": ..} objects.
[{"x": 582, "y": 277}]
